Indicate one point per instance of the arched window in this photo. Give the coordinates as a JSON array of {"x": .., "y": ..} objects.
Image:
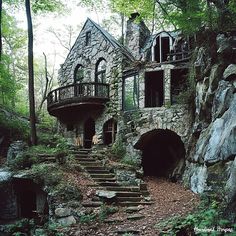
[
  {"x": 79, "y": 74},
  {"x": 100, "y": 73}
]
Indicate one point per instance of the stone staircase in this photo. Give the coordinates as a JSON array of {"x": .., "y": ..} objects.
[{"x": 106, "y": 181}]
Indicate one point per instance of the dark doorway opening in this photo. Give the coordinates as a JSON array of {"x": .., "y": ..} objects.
[
  {"x": 154, "y": 89},
  {"x": 89, "y": 132},
  {"x": 27, "y": 204},
  {"x": 31, "y": 199},
  {"x": 109, "y": 131},
  {"x": 161, "y": 49},
  {"x": 178, "y": 84},
  {"x": 162, "y": 151}
]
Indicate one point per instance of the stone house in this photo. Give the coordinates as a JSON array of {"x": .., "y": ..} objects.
[{"x": 108, "y": 90}]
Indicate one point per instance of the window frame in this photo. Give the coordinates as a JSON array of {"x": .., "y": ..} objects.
[
  {"x": 88, "y": 37},
  {"x": 79, "y": 66},
  {"x": 100, "y": 72},
  {"x": 135, "y": 75}
]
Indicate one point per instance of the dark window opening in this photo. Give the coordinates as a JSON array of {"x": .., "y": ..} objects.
[
  {"x": 109, "y": 131},
  {"x": 165, "y": 44},
  {"x": 79, "y": 74},
  {"x": 178, "y": 84},
  {"x": 131, "y": 92},
  {"x": 89, "y": 132},
  {"x": 161, "y": 49},
  {"x": 100, "y": 73},
  {"x": 154, "y": 89},
  {"x": 162, "y": 151},
  {"x": 88, "y": 38}
]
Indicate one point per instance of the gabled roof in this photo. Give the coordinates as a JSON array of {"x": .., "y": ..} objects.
[{"x": 110, "y": 38}]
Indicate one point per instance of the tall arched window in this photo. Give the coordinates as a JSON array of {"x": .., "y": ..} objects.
[
  {"x": 100, "y": 73},
  {"x": 79, "y": 74}
]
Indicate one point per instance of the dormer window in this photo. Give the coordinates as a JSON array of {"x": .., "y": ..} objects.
[
  {"x": 79, "y": 74},
  {"x": 100, "y": 73},
  {"x": 161, "y": 47},
  {"x": 88, "y": 38}
]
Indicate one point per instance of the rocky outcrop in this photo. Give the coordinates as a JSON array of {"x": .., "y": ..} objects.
[{"x": 211, "y": 162}]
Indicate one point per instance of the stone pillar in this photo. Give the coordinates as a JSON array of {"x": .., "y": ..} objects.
[{"x": 167, "y": 86}]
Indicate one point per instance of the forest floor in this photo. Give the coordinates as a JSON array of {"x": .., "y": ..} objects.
[{"x": 170, "y": 199}]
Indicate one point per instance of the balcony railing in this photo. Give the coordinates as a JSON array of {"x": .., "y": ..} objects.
[
  {"x": 179, "y": 56},
  {"x": 78, "y": 94}
]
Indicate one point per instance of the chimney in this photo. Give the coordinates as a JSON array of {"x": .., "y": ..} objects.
[{"x": 136, "y": 35}]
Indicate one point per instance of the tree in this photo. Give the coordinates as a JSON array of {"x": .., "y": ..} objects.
[{"x": 31, "y": 75}]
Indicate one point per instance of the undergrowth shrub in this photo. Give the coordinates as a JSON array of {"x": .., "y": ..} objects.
[{"x": 118, "y": 149}]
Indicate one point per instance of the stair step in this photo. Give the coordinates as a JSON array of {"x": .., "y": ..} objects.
[
  {"x": 94, "y": 171},
  {"x": 127, "y": 194},
  {"x": 102, "y": 176},
  {"x": 83, "y": 156},
  {"x": 104, "y": 179},
  {"x": 91, "y": 204},
  {"x": 90, "y": 163},
  {"x": 123, "y": 188},
  {"x": 108, "y": 184},
  {"x": 129, "y": 199},
  {"x": 90, "y": 168},
  {"x": 127, "y": 203},
  {"x": 85, "y": 159}
]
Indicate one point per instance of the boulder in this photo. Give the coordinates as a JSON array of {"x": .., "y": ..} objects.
[
  {"x": 230, "y": 72},
  {"x": 62, "y": 212},
  {"x": 67, "y": 221},
  {"x": 223, "y": 97},
  {"x": 106, "y": 194},
  {"x": 16, "y": 149}
]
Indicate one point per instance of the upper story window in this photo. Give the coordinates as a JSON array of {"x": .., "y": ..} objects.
[
  {"x": 88, "y": 38},
  {"x": 100, "y": 73},
  {"x": 130, "y": 92},
  {"x": 161, "y": 47},
  {"x": 79, "y": 74}
]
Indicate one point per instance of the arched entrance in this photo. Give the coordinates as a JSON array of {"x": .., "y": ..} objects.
[
  {"x": 162, "y": 151},
  {"x": 89, "y": 132},
  {"x": 109, "y": 131}
]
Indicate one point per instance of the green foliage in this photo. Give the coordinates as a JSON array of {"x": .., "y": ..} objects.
[
  {"x": 105, "y": 211},
  {"x": 21, "y": 227},
  {"x": 17, "y": 127},
  {"x": 118, "y": 149},
  {"x": 132, "y": 161},
  {"x": 39, "y": 6},
  {"x": 86, "y": 219}
]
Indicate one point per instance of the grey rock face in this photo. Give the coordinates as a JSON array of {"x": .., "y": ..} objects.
[
  {"x": 230, "y": 72},
  {"x": 67, "y": 221},
  {"x": 15, "y": 149}
]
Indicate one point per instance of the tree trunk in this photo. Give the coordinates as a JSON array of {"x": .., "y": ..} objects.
[
  {"x": 31, "y": 75},
  {"x": 0, "y": 30}
]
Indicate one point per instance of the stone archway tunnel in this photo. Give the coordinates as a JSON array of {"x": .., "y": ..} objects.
[{"x": 163, "y": 153}]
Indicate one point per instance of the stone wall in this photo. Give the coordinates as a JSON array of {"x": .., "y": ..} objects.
[{"x": 211, "y": 162}]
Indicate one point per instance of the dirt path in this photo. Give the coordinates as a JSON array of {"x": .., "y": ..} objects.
[{"x": 171, "y": 199}]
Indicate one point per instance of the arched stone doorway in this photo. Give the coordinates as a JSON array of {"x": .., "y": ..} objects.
[
  {"x": 109, "y": 131},
  {"x": 89, "y": 132},
  {"x": 163, "y": 153}
]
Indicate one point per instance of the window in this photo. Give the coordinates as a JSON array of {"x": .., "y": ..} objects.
[
  {"x": 131, "y": 92},
  {"x": 100, "y": 73},
  {"x": 178, "y": 84},
  {"x": 154, "y": 89},
  {"x": 88, "y": 38},
  {"x": 161, "y": 47},
  {"x": 79, "y": 74}
]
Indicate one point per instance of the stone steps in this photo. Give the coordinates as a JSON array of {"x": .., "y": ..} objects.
[
  {"x": 123, "y": 188},
  {"x": 129, "y": 199},
  {"x": 102, "y": 176},
  {"x": 106, "y": 181}
]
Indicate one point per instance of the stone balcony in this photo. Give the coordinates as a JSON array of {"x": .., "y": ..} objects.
[{"x": 75, "y": 98}]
